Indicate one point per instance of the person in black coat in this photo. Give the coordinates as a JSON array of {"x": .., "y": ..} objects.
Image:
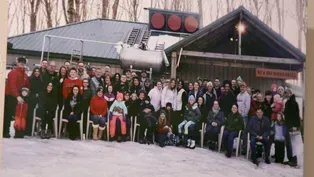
[
  {"x": 86, "y": 97},
  {"x": 292, "y": 121},
  {"x": 135, "y": 87},
  {"x": 147, "y": 121},
  {"x": 47, "y": 105},
  {"x": 259, "y": 128},
  {"x": 36, "y": 87},
  {"x": 227, "y": 99},
  {"x": 72, "y": 111}
]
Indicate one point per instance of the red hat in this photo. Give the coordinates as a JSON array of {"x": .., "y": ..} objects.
[{"x": 243, "y": 84}]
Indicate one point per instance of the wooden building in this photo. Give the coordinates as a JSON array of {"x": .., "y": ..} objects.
[{"x": 237, "y": 44}]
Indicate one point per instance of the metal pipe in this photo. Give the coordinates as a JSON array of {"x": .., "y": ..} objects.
[
  {"x": 150, "y": 73},
  {"x": 240, "y": 41},
  {"x": 85, "y": 40},
  {"x": 166, "y": 61},
  {"x": 48, "y": 54},
  {"x": 180, "y": 54},
  {"x": 43, "y": 48},
  {"x": 82, "y": 47}
]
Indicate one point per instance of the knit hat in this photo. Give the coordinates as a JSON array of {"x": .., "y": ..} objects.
[
  {"x": 210, "y": 84},
  {"x": 120, "y": 96},
  {"x": 191, "y": 97},
  {"x": 243, "y": 84},
  {"x": 169, "y": 104},
  {"x": 239, "y": 79},
  {"x": 163, "y": 112}
]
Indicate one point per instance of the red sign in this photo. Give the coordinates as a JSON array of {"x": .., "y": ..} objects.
[{"x": 276, "y": 73}]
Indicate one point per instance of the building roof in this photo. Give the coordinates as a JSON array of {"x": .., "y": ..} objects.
[
  {"x": 222, "y": 22},
  {"x": 104, "y": 30}
]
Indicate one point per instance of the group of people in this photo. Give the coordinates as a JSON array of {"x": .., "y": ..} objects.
[{"x": 165, "y": 109}]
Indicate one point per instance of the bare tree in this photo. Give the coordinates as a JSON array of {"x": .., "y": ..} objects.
[
  {"x": 115, "y": 7},
  {"x": 200, "y": 11},
  {"x": 218, "y": 3},
  {"x": 166, "y": 4},
  {"x": 187, "y": 6},
  {"x": 279, "y": 16},
  {"x": 301, "y": 20},
  {"x": 77, "y": 13},
  {"x": 268, "y": 13},
  {"x": 57, "y": 16},
  {"x": 84, "y": 10},
  {"x": 176, "y": 5},
  {"x": 105, "y": 8},
  {"x": 48, "y": 12},
  {"x": 71, "y": 10},
  {"x": 34, "y": 7},
  {"x": 256, "y": 5}
]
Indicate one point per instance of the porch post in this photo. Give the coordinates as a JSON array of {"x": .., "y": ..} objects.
[
  {"x": 173, "y": 65},
  {"x": 3, "y": 58},
  {"x": 309, "y": 96}
]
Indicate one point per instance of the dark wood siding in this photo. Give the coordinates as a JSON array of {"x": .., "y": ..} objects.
[{"x": 190, "y": 72}]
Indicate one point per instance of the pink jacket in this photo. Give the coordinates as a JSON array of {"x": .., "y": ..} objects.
[{"x": 277, "y": 109}]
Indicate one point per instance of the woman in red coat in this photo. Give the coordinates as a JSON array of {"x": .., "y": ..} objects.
[{"x": 98, "y": 109}]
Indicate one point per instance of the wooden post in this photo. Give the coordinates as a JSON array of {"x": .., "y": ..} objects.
[
  {"x": 173, "y": 65},
  {"x": 3, "y": 58},
  {"x": 309, "y": 96}
]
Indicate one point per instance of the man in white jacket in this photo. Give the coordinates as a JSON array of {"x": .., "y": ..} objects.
[
  {"x": 155, "y": 95},
  {"x": 244, "y": 102}
]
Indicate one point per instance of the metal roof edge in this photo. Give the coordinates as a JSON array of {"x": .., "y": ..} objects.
[
  {"x": 76, "y": 23},
  {"x": 65, "y": 56}
]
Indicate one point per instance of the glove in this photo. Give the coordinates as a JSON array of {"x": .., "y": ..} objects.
[{"x": 20, "y": 99}]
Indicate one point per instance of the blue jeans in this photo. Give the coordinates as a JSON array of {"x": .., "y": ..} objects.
[
  {"x": 265, "y": 142},
  {"x": 101, "y": 121},
  {"x": 228, "y": 139},
  {"x": 73, "y": 118},
  {"x": 212, "y": 133}
]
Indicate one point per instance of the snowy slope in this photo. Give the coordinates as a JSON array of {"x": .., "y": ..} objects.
[{"x": 64, "y": 158}]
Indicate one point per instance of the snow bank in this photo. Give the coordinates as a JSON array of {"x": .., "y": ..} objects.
[{"x": 34, "y": 157}]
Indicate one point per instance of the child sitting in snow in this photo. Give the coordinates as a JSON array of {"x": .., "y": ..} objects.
[
  {"x": 165, "y": 135},
  {"x": 191, "y": 116},
  {"x": 118, "y": 112},
  {"x": 280, "y": 131},
  {"x": 20, "y": 114}
]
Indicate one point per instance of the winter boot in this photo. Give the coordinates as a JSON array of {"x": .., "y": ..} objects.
[
  {"x": 101, "y": 132},
  {"x": 48, "y": 136},
  {"x": 119, "y": 139},
  {"x": 267, "y": 161},
  {"x": 192, "y": 145},
  {"x": 188, "y": 144},
  {"x": 95, "y": 132},
  {"x": 42, "y": 134},
  {"x": 293, "y": 162},
  {"x": 7, "y": 135}
]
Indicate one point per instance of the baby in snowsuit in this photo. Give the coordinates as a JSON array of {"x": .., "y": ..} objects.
[
  {"x": 118, "y": 111},
  {"x": 20, "y": 115}
]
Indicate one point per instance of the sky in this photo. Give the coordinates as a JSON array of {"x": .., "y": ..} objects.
[{"x": 209, "y": 14}]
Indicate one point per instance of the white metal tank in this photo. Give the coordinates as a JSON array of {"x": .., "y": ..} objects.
[{"x": 143, "y": 59}]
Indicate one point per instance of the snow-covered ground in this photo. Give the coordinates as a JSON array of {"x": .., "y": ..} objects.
[{"x": 33, "y": 157}]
